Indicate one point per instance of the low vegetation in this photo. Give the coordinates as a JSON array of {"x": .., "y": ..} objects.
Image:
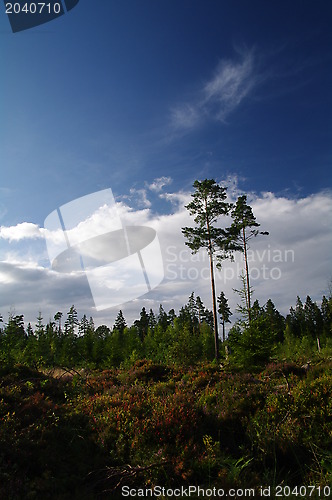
[
  {"x": 85, "y": 434},
  {"x": 84, "y": 413}
]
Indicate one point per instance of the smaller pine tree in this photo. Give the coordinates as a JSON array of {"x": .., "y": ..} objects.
[{"x": 224, "y": 312}]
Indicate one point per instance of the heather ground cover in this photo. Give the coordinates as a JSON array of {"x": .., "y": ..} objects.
[{"x": 87, "y": 434}]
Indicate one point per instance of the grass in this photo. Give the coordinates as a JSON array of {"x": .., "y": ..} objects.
[{"x": 84, "y": 435}]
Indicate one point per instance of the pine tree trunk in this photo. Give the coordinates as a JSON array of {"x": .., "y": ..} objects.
[
  {"x": 247, "y": 274},
  {"x": 214, "y": 303}
]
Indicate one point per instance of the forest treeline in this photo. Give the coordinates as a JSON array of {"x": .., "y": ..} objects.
[
  {"x": 192, "y": 335},
  {"x": 184, "y": 338}
]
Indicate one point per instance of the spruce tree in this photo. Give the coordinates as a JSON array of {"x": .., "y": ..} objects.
[
  {"x": 200, "y": 311},
  {"x": 326, "y": 309},
  {"x": 152, "y": 320},
  {"x": 57, "y": 317},
  {"x": 40, "y": 327},
  {"x": 71, "y": 321},
  {"x": 120, "y": 322},
  {"x": 162, "y": 319},
  {"x": 224, "y": 312},
  {"x": 142, "y": 324},
  {"x": 83, "y": 326}
]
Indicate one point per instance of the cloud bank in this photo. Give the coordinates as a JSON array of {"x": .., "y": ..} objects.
[
  {"x": 293, "y": 260},
  {"x": 24, "y": 230}
]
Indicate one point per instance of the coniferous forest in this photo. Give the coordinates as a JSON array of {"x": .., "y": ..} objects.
[
  {"x": 86, "y": 411},
  {"x": 175, "y": 400}
]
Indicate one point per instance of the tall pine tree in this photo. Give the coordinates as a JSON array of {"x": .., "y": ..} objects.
[
  {"x": 243, "y": 228},
  {"x": 207, "y": 206}
]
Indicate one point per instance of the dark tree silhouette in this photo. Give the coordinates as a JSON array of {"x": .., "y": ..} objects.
[
  {"x": 207, "y": 206},
  {"x": 243, "y": 228},
  {"x": 224, "y": 312}
]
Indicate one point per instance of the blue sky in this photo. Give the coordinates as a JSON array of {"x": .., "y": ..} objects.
[{"x": 119, "y": 94}]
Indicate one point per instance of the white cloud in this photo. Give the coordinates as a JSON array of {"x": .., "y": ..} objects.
[
  {"x": 232, "y": 82},
  {"x": 293, "y": 260},
  {"x": 25, "y": 230},
  {"x": 141, "y": 197},
  {"x": 158, "y": 184},
  {"x": 178, "y": 200}
]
